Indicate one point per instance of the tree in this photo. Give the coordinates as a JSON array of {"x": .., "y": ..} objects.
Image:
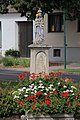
[
  {"x": 29, "y": 7},
  {"x": 71, "y": 7},
  {"x": 3, "y": 6}
]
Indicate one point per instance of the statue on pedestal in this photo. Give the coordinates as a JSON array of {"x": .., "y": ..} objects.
[{"x": 39, "y": 28}]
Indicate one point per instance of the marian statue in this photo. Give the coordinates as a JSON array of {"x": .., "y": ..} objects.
[{"x": 39, "y": 28}]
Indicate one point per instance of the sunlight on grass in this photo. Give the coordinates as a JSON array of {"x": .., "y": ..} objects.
[{"x": 69, "y": 70}]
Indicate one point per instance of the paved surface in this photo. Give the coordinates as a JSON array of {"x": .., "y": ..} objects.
[{"x": 11, "y": 74}]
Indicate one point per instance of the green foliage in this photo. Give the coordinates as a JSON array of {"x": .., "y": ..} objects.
[
  {"x": 24, "y": 62},
  {"x": 13, "y": 53},
  {"x": 8, "y": 61},
  {"x": 71, "y": 7},
  {"x": 47, "y": 94},
  {"x": 4, "y": 6},
  {"x": 7, "y": 103},
  {"x": 12, "y": 61}
]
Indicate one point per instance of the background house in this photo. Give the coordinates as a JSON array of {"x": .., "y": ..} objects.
[
  {"x": 17, "y": 33},
  {"x": 54, "y": 35}
]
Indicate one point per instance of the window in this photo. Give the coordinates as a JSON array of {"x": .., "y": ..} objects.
[
  {"x": 56, "y": 52},
  {"x": 55, "y": 22},
  {"x": 78, "y": 26}
]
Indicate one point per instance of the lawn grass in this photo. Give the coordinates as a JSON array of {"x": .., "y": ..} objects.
[{"x": 69, "y": 70}]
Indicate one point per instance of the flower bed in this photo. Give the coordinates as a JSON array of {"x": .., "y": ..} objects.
[{"x": 47, "y": 94}]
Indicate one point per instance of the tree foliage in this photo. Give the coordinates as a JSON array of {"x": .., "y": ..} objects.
[
  {"x": 71, "y": 7},
  {"x": 3, "y": 6}
]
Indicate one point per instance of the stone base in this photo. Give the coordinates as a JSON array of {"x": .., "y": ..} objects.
[
  {"x": 48, "y": 117},
  {"x": 39, "y": 58}
]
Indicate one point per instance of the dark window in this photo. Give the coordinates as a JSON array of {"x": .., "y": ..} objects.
[
  {"x": 78, "y": 26},
  {"x": 56, "y": 52},
  {"x": 55, "y": 22}
]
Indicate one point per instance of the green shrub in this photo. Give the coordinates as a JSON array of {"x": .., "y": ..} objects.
[
  {"x": 0, "y": 60},
  {"x": 11, "y": 61},
  {"x": 8, "y": 61},
  {"x": 7, "y": 103},
  {"x": 11, "y": 52},
  {"x": 24, "y": 62}
]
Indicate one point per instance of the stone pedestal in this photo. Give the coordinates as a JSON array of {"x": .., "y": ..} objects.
[{"x": 39, "y": 58}]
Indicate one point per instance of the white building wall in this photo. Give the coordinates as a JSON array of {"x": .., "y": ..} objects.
[{"x": 10, "y": 30}]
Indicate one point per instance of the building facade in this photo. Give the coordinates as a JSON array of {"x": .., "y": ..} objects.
[
  {"x": 54, "y": 36},
  {"x": 17, "y": 33}
]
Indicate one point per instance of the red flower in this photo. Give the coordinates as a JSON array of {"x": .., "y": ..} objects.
[
  {"x": 33, "y": 107},
  {"x": 35, "y": 101},
  {"x": 21, "y": 76},
  {"x": 58, "y": 73},
  {"x": 38, "y": 93},
  {"x": 55, "y": 77},
  {"x": 65, "y": 94},
  {"x": 51, "y": 73},
  {"x": 32, "y": 76},
  {"x": 77, "y": 103},
  {"x": 31, "y": 97},
  {"x": 24, "y": 72},
  {"x": 54, "y": 91},
  {"x": 46, "y": 76},
  {"x": 40, "y": 73},
  {"x": 47, "y": 101},
  {"x": 21, "y": 103}
]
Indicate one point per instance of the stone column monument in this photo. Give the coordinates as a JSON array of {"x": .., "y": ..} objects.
[{"x": 39, "y": 50}]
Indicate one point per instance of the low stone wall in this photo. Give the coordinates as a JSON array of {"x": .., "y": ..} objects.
[{"x": 48, "y": 117}]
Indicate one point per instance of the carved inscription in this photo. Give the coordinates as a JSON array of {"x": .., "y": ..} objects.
[{"x": 40, "y": 62}]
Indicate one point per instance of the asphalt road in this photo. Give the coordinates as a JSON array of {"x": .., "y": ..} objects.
[
  {"x": 12, "y": 75},
  {"x": 9, "y": 75}
]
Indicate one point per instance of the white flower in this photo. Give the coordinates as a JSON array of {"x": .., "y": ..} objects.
[
  {"x": 67, "y": 90},
  {"x": 32, "y": 84},
  {"x": 35, "y": 87},
  {"x": 73, "y": 87},
  {"x": 51, "y": 85},
  {"x": 40, "y": 81},
  {"x": 73, "y": 94},
  {"x": 24, "y": 88},
  {"x": 35, "y": 91},
  {"x": 65, "y": 86},
  {"x": 45, "y": 93},
  {"x": 50, "y": 88},
  {"x": 28, "y": 89},
  {"x": 71, "y": 91},
  {"x": 41, "y": 90},
  {"x": 32, "y": 89},
  {"x": 54, "y": 89},
  {"x": 20, "y": 90},
  {"x": 16, "y": 96},
  {"x": 47, "y": 89},
  {"x": 14, "y": 92},
  {"x": 58, "y": 83},
  {"x": 25, "y": 95},
  {"x": 42, "y": 86}
]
